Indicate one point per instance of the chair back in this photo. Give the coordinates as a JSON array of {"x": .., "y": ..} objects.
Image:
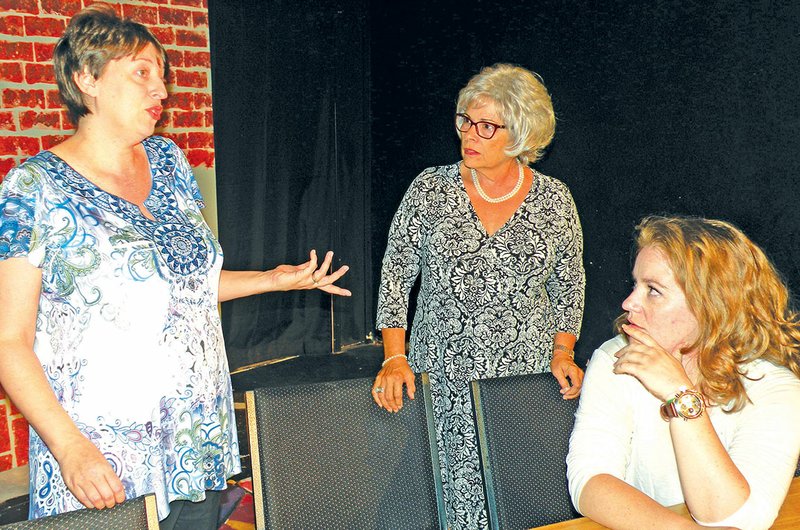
[
  {"x": 523, "y": 428},
  {"x": 325, "y": 456},
  {"x": 133, "y": 514}
]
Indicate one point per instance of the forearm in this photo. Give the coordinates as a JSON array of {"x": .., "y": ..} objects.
[
  {"x": 23, "y": 380},
  {"x": 394, "y": 342},
  {"x": 615, "y": 504},
  {"x": 564, "y": 342},
  {"x": 712, "y": 485},
  {"x": 238, "y": 284}
]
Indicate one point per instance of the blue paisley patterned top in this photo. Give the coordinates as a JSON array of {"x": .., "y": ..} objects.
[
  {"x": 127, "y": 331},
  {"x": 488, "y": 306}
]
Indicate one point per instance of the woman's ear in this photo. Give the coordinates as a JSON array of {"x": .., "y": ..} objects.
[{"x": 85, "y": 81}]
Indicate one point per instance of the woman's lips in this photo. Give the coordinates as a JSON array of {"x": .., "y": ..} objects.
[
  {"x": 470, "y": 152},
  {"x": 155, "y": 112}
]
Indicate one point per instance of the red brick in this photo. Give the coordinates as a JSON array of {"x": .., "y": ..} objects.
[
  {"x": 6, "y": 462},
  {"x": 159, "y": 1},
  {"x": 202, "y": 100},
  {"x": 31, "y": 119},
  {"x": 43, "y": 51},
  {"x": 164, "y": 122},
  {"x": 202, "y": 59},
  {"x": 188, "y": 37},
  {"x": 44, "y": 26},
  {"x": 66, "y": 123},
  {"x": 18, "y": 145},
  {"x": 187, "y": 119},
  {"x": 23, "y": 98},
  {"x": 16, "y": 51},
  {"x": 175, "y": 58},
  {"x": 175, "y": 17},
  {"x": 19, "y": 430},
  {"x": 53, "y": 99},
  {"x": 164, "y": 35},
  {"x": 179, "y": 100},
  {"x": 200, "y": 19},
  {"x": 5, "y": 166},
  {"x": 180, "y": 139},
  {"x": 12, "y": 25},
  {"x": 53, "y": 140},
  {"x": 11, "y": 72},
  {"x": 191, "y": 3},
  {"x": 200, "y": 140},
  {"x": 209, "y": 118},
  {"x": 7, "y": 124},
  {"x": 200, "y": 157},
  {"x": 191, "y": 79},
  {"x": 40, "y": 73},
  {"x": 61, "y": 7},
  {"x": 5, "y": 439},
  {"x": 13, "y": 410},
  {"x": 23, "y": 6},
  {"x": 143, "y": 14}
]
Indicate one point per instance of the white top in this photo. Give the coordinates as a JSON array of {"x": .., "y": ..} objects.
[{"x": 619, "y": 431}]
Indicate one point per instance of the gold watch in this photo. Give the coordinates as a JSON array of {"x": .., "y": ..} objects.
[{"x": 687, "y": 404}]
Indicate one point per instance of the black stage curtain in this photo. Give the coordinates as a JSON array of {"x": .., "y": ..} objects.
[
  {"x": 291, "y": 122},
  {"x": 663, "y": 106}
]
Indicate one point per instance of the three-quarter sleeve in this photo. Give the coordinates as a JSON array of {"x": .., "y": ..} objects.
[
  {"x": 764, "y": 445},
  {"x": 566, "y": 284},
  {"x": 601, "y": 438},
  {"x": 401, "y": 262},
  {"x": 19, "y": 196}
]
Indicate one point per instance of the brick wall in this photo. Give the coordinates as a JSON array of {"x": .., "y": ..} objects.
[{"x": 31, "y": 117}]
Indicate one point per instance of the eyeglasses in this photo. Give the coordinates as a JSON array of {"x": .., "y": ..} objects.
[{"x": 485, "y": 129}]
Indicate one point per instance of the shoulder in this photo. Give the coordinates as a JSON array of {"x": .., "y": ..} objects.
[
  {"x": 434, "y": 179},
  {"x": 29, "y": 175},
  {"x": 605, "y": 352},
  {"x": 762, "y": 378},
  {"x": 552, "y": 186}
]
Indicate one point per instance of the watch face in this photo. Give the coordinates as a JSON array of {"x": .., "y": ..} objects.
[{"x": 689, "y": 405}]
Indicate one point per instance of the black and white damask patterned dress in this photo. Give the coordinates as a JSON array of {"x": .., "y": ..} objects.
[{"x": 488, "y": 305}]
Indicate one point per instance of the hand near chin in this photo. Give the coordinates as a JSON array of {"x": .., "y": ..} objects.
[{"x": 658, "y": 370}]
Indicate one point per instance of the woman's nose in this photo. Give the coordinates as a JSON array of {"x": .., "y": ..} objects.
[
  {"x": 159, "y": 89},
  {"x": 631, "y": 303}
]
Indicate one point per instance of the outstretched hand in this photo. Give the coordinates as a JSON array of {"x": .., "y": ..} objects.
[{"x": 309, "y": 276}]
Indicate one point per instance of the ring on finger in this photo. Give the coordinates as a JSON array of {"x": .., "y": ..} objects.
[{"x": 378, "y": 389}]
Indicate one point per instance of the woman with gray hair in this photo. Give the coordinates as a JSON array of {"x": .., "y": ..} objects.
[{"x": 499, "y": 248}]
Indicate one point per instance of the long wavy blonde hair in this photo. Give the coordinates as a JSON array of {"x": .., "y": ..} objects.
[{"x": 738, "y": 298}]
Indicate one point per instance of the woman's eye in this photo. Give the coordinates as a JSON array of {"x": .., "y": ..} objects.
[{"x": 653, "y": 291}]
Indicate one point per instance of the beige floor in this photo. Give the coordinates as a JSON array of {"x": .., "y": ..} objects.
[{"x": 13, "y": 483}]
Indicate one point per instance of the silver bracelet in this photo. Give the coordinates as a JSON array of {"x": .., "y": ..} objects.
[
  {"x": 565, "y": 349},
  {"x": 386, "y": 360}
]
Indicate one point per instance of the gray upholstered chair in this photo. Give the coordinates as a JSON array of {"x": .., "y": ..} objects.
[
  {"x": 325, "y": 456},
  {"x": 523, "y": 428},
  {"x": 133, "y": 514}
]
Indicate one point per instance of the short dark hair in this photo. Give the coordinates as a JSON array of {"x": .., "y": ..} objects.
[{"x": 95, "y": 36}]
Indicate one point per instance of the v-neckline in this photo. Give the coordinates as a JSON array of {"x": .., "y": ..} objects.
[
  {"x": 474, "y": 212},
  {"x": 134, "y": 208}
]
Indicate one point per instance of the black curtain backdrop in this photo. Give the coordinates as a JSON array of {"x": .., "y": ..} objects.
[
  {"x": 680, "y": 106},
  {"x": 663, "y": 107},
  {"x": 291, "y": 102}
]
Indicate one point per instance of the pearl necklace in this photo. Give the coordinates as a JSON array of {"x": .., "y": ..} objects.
[{"x": 504, "y": 197}]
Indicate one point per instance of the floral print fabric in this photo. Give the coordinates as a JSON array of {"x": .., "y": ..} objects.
[
  {"x": 488, "y": 305},
  {"x": 127, "y": 330}
]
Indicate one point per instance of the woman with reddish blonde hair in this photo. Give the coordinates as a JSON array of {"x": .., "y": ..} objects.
[{"x": 696, "y": 400}]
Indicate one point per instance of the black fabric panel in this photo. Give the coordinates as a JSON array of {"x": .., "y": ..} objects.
[
  {"x": 291, "y": 111},
  {"x": 663, "y": 107}
]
